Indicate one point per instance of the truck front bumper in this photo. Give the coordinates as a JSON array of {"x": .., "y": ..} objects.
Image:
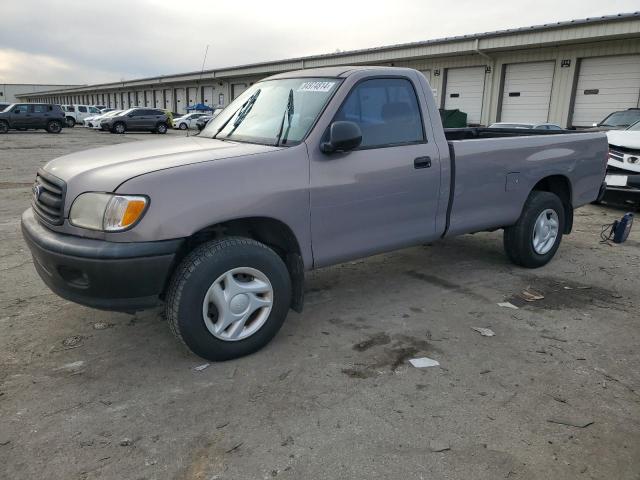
[{"x": 106, "y": 275}]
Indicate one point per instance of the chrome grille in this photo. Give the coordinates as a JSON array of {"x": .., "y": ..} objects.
[
  {"x": 48, "y": 198},
  {"x": 616, "y": 155}
]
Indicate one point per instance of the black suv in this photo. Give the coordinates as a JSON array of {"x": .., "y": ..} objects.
[
  {"x": 23, "y": 116},
  {"x": 137, "y": 120}
]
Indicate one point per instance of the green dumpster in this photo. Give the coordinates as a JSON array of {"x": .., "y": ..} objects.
[{"x": 453, "y": 118}]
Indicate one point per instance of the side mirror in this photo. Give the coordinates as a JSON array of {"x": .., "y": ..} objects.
[
  {"x": 595, "y": 124},
  {"x": 16, "y": 111},
  {"x": 130, "y": 115},
  {"x": 343, "y": 136}
]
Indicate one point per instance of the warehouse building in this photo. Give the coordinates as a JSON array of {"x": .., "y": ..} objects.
[
  {"x": 571, "y": 73},
  {"x": 13, "y": 92}
]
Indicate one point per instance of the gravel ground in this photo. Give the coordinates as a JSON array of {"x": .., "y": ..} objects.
[{"x": 86, "y": 394}]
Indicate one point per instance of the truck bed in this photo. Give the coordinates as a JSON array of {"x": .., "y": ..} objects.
[
  {"x": 493, "y": 171},
  {"x": 471, "y": 133}
]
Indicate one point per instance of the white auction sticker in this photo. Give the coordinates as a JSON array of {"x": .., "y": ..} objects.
[{"x": 316, "y": 86}]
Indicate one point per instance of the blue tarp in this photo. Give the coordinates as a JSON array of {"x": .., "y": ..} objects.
[{"x": 200, "y": 107}]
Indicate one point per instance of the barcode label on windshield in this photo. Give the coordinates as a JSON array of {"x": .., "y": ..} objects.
[{"x": 316, "y": 86}]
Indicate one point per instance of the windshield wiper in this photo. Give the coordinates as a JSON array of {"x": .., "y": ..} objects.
[
  {"x": 243, "y": 112},
  {"x": 288, "y": 113}
]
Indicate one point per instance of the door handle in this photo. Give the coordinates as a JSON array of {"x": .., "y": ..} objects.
[{"x": 422, "y": 162}]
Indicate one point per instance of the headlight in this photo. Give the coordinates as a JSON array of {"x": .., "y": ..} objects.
[{"x": 107, "y": 211}]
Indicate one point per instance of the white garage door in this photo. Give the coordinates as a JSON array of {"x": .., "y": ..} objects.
[
  {"x": 465, "y": 90},
  {"x": 159, "y": 101},
  {"x": 427, "y": 75},
  {"x": 181, "y": 100},
  {"x": 192, "y": 96},
  {"x": 148, "y": 98},
  {"x": 208, "y": 95},
  {"x": 237, "y": 89},
  {"x": 168, "y": 99},
  {"x": 527, "y": 92},
  {"x": 605, "y": 84}
]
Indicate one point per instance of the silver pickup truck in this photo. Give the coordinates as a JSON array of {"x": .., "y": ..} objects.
[{"x": 303, "y": 170}]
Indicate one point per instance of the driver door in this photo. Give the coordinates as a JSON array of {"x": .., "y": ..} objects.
[
  {"x": 20, "y": 116},
  {"x": 384, "y": 194}
]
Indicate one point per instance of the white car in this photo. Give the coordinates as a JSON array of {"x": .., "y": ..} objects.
[
  {"x": 187, "y": 121},
  {"x": 96, "y": 122}
]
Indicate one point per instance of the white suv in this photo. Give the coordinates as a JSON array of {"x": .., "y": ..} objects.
[{"x": 77, "y": 113}]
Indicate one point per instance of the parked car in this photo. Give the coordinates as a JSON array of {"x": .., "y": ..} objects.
[
  {"x": 187, "y": 121},
  {"x": 25, "y": 116},
  {"x": 623, "y": 166},
  {"x": 137, "y": 120},
  {"x": 202, "y": 121},
  {"x": 77, "y": 113},
  {"x": 619, "y": 120},
  {"x": 97, "y": 122},
  {"x": 535, "y": 126},
  {"x": 353, "y": 161}
]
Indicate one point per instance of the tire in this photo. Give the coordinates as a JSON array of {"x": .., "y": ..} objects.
[
  {"x": 195, "y": 279},
  {"x": 182, "y": 126},
  {"x": 161, "y": 128},
  {"x": 71, "y": 122},
  {"x": 118, "y": 127},
  {"x": 519, "y": 241},
  {"x": 4, "y": 126},
  {"x": 54, "y": 127}
]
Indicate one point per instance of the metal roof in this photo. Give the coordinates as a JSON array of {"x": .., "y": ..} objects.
[{"x": 294, "y": 63}]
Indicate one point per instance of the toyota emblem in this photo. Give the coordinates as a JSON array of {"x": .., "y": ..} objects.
[{"x": 37, "y": 190}]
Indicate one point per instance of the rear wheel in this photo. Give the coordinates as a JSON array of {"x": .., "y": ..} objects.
[
  {"x": 534, "y": 239},
  {"x": 4, "y": 126},
  {"x": 71, "y": 122},
  {"x": 119, "y": 128},
  {"x": 228, "y": 298},
  {"x": 54, "y": 127}
]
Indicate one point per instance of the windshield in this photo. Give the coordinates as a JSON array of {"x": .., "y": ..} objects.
[
  {"x": 273, "y": 111},
  {"x": 635, "y": 127},
  {"x": 621, "y": 119}
]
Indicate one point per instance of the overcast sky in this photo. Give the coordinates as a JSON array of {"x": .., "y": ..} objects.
[{"x": 86, "y": 41}]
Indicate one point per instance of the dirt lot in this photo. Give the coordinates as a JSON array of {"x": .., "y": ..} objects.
[{"x": 86, "y": 394}]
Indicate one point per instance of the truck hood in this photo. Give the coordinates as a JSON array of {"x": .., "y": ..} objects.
[
  {"x": 624, "y": 138},
  {"x": 103, "y": 169}
]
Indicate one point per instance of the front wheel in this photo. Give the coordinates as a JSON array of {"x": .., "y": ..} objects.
[
  {"x": 534, "y": 239},
  {"x": 54, "y": 127},
  {"x": 183, "y": 126},
  {"x": 228, "y": 298},
  {"x": 119, "y": 128},
  {"x": 71, "y": 122},
  {"x": 161, "y": 128},
  {"x": 4, "y": 126}
]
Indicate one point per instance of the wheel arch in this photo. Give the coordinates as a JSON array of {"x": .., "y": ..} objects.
[
  {"x": 272, "y": 232},
  {"x": 559, "y": 185}
]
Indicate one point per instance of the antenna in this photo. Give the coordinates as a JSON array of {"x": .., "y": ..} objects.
[{"x": 204, "y": 60}]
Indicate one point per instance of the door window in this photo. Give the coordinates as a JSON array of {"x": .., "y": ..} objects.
[
  {"x": 82, "y": 109},
  {"x": 41, "y": 108},
  {"x": 386, "y": 110},
  {"x": 21, "y": 109}
]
